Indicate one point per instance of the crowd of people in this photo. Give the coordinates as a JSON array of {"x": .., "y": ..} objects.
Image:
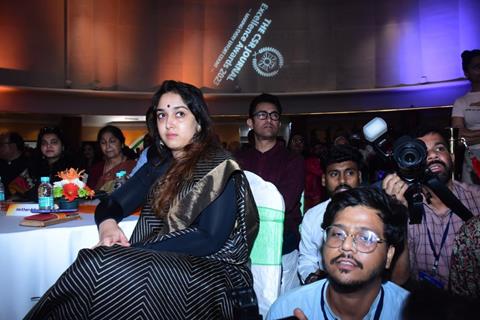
[
  {"x": 22, "y": 167},
  {"x": 363, "y": 246}
]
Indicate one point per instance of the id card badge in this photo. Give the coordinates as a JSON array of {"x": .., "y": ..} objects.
[{"x": 422, "y": 275}]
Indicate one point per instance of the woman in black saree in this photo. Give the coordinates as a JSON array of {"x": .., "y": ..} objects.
[{"x": 191, "y": 245}]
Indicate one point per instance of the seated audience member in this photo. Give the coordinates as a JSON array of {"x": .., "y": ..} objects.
[
  {"x": 465, "y": 264},
  {"x": 88, "y": 156},
  {"x": 364, "y": 230},
  {"x": 142, "y": 159},
  {"x": 112, "y": 143},
  {"x": 314, "y": 189},
  {"x": 297, "y": 144},
  {"x": 342, "y": 172},
  {"x": 52, "y": 155},
  {"x": 273, "y": 162},
  {"x": 430, "y": 243},
  {"x": 190, "y": 249},
  {"x": 340, "y": 137},
  {"x": 14, "y": 166}
]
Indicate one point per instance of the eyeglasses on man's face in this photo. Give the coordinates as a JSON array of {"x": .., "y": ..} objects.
[
  {"x": 263, "y": 115},
  {"x": 364, "y": 240}
]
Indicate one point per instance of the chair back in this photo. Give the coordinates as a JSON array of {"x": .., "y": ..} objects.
[{"x": 266, "y": 255}]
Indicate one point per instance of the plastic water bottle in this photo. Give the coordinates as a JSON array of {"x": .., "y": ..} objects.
[
  {"x": 3, "y": 203},
  {"x": 45, "y": 194},
  {"x": 120, "y": 179}
]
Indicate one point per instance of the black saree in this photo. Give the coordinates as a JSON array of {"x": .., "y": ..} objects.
[{"x": 133, "y": 283}]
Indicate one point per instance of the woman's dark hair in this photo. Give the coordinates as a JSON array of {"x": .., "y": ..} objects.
[
  {"x": 467, "y": 57},
  {"x": 392, "y": 212},
  {"x": 203, "y": 141},
  {"x": 115, "y": 131},
  {"x": 50, "y": 130}
]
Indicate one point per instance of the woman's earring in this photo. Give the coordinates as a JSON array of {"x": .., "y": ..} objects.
[{"x": 199, "y": 128}]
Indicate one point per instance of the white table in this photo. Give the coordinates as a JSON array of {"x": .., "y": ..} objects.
[{"x": 32, "y": 259}]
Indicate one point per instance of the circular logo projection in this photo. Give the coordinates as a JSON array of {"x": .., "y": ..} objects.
[{"x": 267, "y": 62}]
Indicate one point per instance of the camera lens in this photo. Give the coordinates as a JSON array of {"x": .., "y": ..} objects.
[{"x": 410, "y": 156}]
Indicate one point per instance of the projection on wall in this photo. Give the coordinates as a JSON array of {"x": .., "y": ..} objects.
[{"x": 246, "y": 49}]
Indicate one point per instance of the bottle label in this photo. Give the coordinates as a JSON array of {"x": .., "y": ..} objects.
[
  {"x": 44, "y": 202},
  {"x": 2, "y": 196}
]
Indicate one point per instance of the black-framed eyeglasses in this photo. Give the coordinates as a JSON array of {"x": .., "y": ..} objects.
[
  {"x": 263, "y": 115},
  {"x": 364, "y": 240}
]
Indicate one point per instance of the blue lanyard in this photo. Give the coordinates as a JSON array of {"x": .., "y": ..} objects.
[
  {"x": 378, "y": 311},
  {"x": 444, "y": 238}
]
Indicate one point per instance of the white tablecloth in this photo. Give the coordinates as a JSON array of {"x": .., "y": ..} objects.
[{"x": 32, "y": 259}]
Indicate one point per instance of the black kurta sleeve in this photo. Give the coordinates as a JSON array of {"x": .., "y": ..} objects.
[
  {"x": 130, "y": 196},
  {"x": 210, "y": 231}
]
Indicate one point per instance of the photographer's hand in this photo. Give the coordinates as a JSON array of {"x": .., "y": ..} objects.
[{"x": 395, "y": 187}]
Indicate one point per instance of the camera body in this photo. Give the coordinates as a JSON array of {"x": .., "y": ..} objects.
[{"x": 408, "y": 154}]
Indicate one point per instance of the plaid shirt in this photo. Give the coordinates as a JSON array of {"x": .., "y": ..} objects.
[{"x": 421, "y": 255}]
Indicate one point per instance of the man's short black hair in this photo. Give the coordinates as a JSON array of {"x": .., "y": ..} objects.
[
  {"x": 343, "y": 152},
  {"x": 467, "y": 57},
  {"x": 14, "y": 137},
  {"x": 393, "y": 214},
  {"x": 264, "y": 97}
]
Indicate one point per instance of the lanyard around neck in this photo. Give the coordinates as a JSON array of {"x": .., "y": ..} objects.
[
  {"x": 378, "y": 310},
  {"x": 432, "y": 246}
]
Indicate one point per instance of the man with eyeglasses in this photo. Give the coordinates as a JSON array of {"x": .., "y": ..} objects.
[
  {"x": 342, "y": 171},
  {"x": 14, "y": 164},
  {"x": 273, "y": 162},
  {"x": 363, "y": 231}
]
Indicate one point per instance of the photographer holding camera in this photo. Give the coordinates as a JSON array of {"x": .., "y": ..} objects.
[{"x": 430, "y": 240}]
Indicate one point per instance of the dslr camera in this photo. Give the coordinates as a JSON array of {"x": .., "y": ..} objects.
[
  {"x": 408, "y": 154},
  {"x": 410, "y": 158}
]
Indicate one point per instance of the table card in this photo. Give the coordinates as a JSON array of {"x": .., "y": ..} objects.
[{"x": 21, "y": 209}]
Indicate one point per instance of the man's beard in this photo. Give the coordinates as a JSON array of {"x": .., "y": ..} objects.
[
  {"x": 443, "y": 176},
  {"x": 340, "y": 187},
  {"x": 355, "y": 285}
]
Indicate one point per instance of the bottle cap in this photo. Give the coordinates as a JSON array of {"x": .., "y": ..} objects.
[
  {"x": 44, "y": 179},
  {"x": 119, "y": 174}
]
